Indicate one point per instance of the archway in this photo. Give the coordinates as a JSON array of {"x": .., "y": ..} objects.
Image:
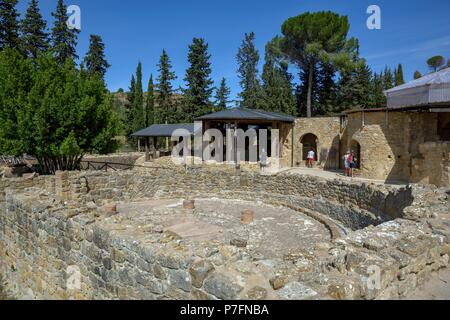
[
  {"x": 309, "y": 142},
  {"x": 355, "y": 148}
]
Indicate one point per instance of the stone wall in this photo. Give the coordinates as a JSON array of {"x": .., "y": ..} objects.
[
  {"x": 356, "y": 205},
  {"x": 327, "y": 131},
  {"x": 433, "y": 166},
  {"x": 59, "y": 222}
]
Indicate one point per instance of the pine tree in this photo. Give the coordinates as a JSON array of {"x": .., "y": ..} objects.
[
  {"x": 150, "y": 103},
  {"x": 9, "y": 25},
  {"x": 95, "y": 60},
  {"x": 399, "y": 78},
  {"x": 63, "y": 39},
  {"x": 356, "y": 88},
  {"x": 165, "y": 106},
  {"x": 222, "y": 95},
  {"x": 417, "y": 75},
  {"x": 248, "y": 59},
  {"x": 378, "y": 99},
  {"x": 302, "y": 92},
  {"x": 326, "y": 91},
  {"x": 34, "y": 31},
  {"x": 199, "y": 84},
  {"x": 388, "y": 79},
  {"x": 277, "y": 87}
]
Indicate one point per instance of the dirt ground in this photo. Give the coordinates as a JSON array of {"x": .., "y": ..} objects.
[{"x": 274, "y": 232}]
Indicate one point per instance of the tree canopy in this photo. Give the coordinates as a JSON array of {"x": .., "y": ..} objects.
[{"x": 320, "y": 37}]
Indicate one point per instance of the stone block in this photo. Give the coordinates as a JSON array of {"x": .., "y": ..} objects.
[{"x": 222, "y": 287}]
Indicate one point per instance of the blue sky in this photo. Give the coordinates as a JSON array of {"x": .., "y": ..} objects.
[{"x": 138, "y": 30}]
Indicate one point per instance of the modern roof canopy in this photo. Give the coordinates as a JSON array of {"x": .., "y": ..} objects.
[
  {"x": 432, "y": 89},
  {"x": 163, "y": 130},
  {"x": 242, "y": 114}
]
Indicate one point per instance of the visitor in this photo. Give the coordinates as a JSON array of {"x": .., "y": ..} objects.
[
  {"x": 263, "y": 160},
  {"x": 354, "y": 163},
  {"x": 311, "y": 158},
  {"x": 347, "y": 164},
  {"x": 350, "y": 160}
]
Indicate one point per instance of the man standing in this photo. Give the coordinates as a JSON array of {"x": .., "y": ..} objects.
[{"x": 311, "y": 158}]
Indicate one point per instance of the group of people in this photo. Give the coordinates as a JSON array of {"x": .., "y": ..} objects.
[{"x": 350, "y": 163}]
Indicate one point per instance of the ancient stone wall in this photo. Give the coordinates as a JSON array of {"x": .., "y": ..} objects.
[
  {"x": 327, "y": 131},
  {"x": 356, "y": 205},
  {"x": 433, "y": 165},
  {"x": 43, "y": 235}
]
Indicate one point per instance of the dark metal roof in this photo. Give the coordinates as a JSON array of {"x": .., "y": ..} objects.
[
  {"x": 247, "y": 114},
  {"x": 164, "y": 130}
]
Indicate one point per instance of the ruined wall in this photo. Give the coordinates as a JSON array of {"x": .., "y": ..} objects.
[
  {"x": 384, "y": 143},
  {"x": 433, "y": 164},
  {"x": 327, "y": 131},
  {"x": 397, "y": 146},
  {"x": 42, "y": 234},
  {"x": 356, "y": 205}
]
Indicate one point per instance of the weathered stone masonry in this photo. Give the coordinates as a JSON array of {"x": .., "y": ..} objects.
[{"x": 56, "y": 222}]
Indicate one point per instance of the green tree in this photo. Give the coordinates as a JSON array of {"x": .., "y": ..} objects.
[
  {"x": 9, "y": 25},
  {"x": 399, "y": 78},
  {"x": 95, "y": 60},
  {"x": 378, "y": 97},
  {"x": 356, "y": 88},
  {"x": 165, "y": 106},
  {"x": 34, "y": 31},
  {"x": 417, "y": 75},
  {"x": 63, "y": 39},
  {"x": 388, "y": 79},
  {"x": 15, "y": 83},
  {"x": 198, "y": 80},
  {"x": 59, "y": 112},
  {"x": 277, "y": 82},
  {"x": 137, "y": 120},
  {"x": 436, "y": 62},
  {"x": 311, "y": 38},
  {"x": 222, "y": 95},
  {"x": 326, "y": 90},
  {"x": 132, "y": 90},
  {"x": 248, "y": 59},
  {"x": 150, "y": 103}
]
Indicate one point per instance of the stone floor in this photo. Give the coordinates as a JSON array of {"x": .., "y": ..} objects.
[{"x": 274, "y": 233}]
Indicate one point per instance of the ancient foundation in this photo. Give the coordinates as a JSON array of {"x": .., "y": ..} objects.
[{"x": 213, "y": 234}]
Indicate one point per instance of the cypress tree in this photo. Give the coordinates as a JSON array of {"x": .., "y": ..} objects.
[
  {"x": 388, "y": 79},
  {"x": 34, "y": 31},
  {"x": 137, "y": 109},
  {"x": 248, "y": 59},
  {"x": 95, "y": 60},
  {"x": 165, "y": 110},
  {"x": 63, "y": 39},
  {"x": 222, "y": 95},
  {"x": 399, "y": 78},
  {"x": 9, "y": 25},
  {"x": 150, "y": 103},
  {"x": 199, "y": 84}
]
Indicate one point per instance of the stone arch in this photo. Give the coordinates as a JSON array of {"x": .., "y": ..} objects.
[{"x": 309, "y": 141}]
